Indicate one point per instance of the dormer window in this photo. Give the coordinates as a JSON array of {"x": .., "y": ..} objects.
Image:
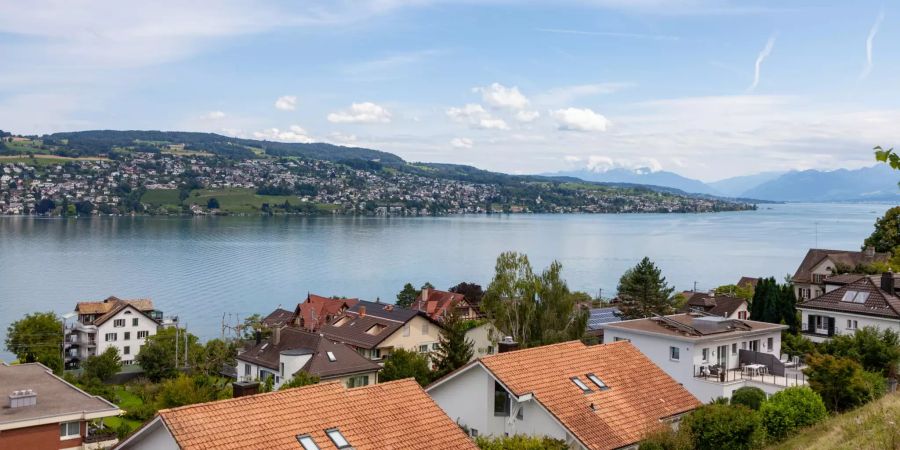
[
  {"x": 375, "y": 329},
  {"x": 596, "y": 380},
  {"x": 337, "y": 438},
  {"x": 342, "y": 321},
  {"x": 580, "y": 384}
]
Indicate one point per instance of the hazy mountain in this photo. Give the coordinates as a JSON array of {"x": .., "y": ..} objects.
[
  {"x": 737, "y": 186},
  {"x": 641, "y": 176},
  {"x": 870, "y": 183}
]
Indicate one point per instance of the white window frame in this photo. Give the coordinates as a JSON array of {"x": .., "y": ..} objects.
[
  {"x": 115, "y": 337},
  {"x": 118, "y": 323},
  {"x": 67, "y": 425},
  {"x": 704, "y": 355},
  {"x": 674, "y": 353},
  {"x": 145, "y": 336}
]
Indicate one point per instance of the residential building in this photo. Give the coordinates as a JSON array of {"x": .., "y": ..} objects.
[
  {"x": 484, "y": 337},
  {"x": 721, "y": 305},
  {"x": 848, "y": 306},
  {"x": 599, "y": 316},
  {"x": 707, "y": 354},
  {"x": 748, "y": 282},
  {"x": 45, "y": 412},
  {"x": 278, "y": 318},
  {"x": 436, "y": 304},
  {"x": 113, "y": 322},
  {"x": 592, "y": 397},
  {"x": 290, "y": 350},
  {"x": 317, "y": 311},
  {"x": 819, "y": 264},
  {"x": 394, "y": 415}
]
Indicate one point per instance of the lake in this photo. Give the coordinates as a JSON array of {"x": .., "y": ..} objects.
[{"x": 201, "y": 268}]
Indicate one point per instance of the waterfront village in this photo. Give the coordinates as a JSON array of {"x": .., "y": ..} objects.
[
  {"x": 521, "y": 364},
  {"x": 173, "y": 184}
]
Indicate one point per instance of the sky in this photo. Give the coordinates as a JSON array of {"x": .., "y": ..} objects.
[{"x": 706, "y": 88}]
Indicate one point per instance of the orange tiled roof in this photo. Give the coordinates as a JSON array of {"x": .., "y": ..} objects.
[
  {"x": 107, "y": 305},
  {"x": 317, "y": 310},
  {"x": 640, "y": 394},
  {"x": 395, "y": 415},
  {"x": 435, "y": 303}
]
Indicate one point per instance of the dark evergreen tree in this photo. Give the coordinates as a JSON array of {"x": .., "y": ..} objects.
[
  {"x": 643, "y": 291},
  {"x": 454, "y": 349},
  {"x": 407, "y": 296}
]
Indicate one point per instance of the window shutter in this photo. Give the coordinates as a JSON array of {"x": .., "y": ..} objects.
[
  {"x": 831, "y": 326},
  {"x": 812, "y": 323}
]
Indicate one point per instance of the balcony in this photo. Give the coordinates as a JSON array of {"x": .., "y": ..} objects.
[{"x": 758, "y": 367}]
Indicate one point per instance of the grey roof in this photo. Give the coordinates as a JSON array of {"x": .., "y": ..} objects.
[
  {"x": 55, "y": 397},
  {"x": 692, "y": 325},
  {"x": 877, "y": 303},
  {"x": 295, "y": 341},
  {"x": 848, "y": 258},
  {"x": 355, "y": 330},
  {"x": 722, "y": 305},
  {"x": 603, "y": 315}
]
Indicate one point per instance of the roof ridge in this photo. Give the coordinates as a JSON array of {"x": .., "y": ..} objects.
[{"x": 290, "y": 391}]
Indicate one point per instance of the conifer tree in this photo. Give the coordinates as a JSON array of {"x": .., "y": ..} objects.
[
  {"x": 454, "y": 349},
  {"x": 643, "y": 291}
]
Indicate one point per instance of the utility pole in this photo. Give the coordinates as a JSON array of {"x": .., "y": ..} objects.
[
  {"x": 695, "y": 287},
  {"x": 176, "y": 346},
  {"x": 185, "y": 346}
]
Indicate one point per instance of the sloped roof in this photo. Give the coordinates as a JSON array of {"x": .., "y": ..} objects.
[
  {"x": 277, "y": 318},
  {"x": 640, "y": 394},
  {"x": 693, "y": 326},
  {"x": 717, "y": 305},
  {"x": 121, "y": 305},
  {"x": 748, "y": 281},
  {"x": 317, "y": 310},
  {"x": 600, "y": 316},
  {"x": 435, "y": 303},
  {"x": 347, "y": 361},
  {"x": 106, "y": 305},
  {"x": 844, "y": 278},
  {"x": 352, "y": 326},
  {"x": 878, "y": 303},
  {"x": 848, "y": 258},
  {"x": 396, "y": 415}
]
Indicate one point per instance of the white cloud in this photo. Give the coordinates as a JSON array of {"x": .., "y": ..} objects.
[
  {"x": 869, "y": 41},
  {"x": 770, "y": 44},
  {"x": 602, "y": 163},
  {"x": 214, "y": 115},
  {"x": 500, "y": 96},
  {"x": 571, "y": 159},
  {"x": 579, "y": 119},
  {"x": 342, "y": 138},
  {"x": 527, "y": 115},
  {"x": 295, "y": 133},
  {"x": 654, "y": 37},
  {"x": 476, "y": 116},
  {"x": 461, "y": 143},
  {"x": 567, "y": 94},
  {"x": 286, "y": 103},
  {"x": 366, "y": 112}
]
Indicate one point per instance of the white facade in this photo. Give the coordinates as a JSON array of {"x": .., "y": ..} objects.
[
  {"x": 291, "y": 364},
  {"x": 484, "y": 340},
  {"x": 844, "y": 323},
  {"x": 154, "y": 436},
  {"x": 126, "y": 331}
]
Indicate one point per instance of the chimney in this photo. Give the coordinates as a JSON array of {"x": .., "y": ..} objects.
[
  {"x": 362, "y": 311},
  {"x": 25, "y": 397},
  {"x": 870, "y": 252},
  {"x": 277, "y": 336},
  {"x": 258, "y": 336},
  {"x": 425, "y": 295},
  {"x": 887, "y": 282},
  {"x": 244, "y": 388}
]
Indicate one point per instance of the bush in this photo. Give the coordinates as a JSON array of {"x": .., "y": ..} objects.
[
  {"x": 520, "y": 442},
  {"x": 141, "y": 413},
  {"x": 721, "y": 427},
  {"x": 876, "y": 350},
  {"x": 751, "y": 397},
  {"x": 796, "y": 345},
  {"x": 842, "y": 382},
  {"x": 791, "y": 409},
  {"x": 666, "y": 439}
]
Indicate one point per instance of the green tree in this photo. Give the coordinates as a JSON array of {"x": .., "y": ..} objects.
[
  {"x": 520, "y": 442},
  {"x": 104, "y": 365},
  {"x": 216, "y": 355},
  {"x": 212, "y": 203},
  {"x": 886, "y": 237},
  {"x": 301, "y": 378},
  {"x": 666, "y": 439},
  {"x": 402, "y": 364},
  {"x": 37, "y": 337},
  {"x": 841, "y": 382},
  {"x": 454, "y": 349},
  {"x": 796, "y": 344},
  {"x": 643, "y": 291},
  {"x": 157, "y": 356},
  {"x": 888, "y": 156},
  {"x": 749, "y": 396},
  {"x": 251, "y": 325},
  {"x": 875, "y": 349},
  {"x": 791, "y": 409},
  {"x": 724, "y": 427},
  {"x": 407, "y": 296},
  {"x": 774, "y": 303},
  {"x": 533, "y": 309},
  {"x": 188, "y": 390},
  {"x": 427, "y": 285},
  {"x": 744, "y": 292}
]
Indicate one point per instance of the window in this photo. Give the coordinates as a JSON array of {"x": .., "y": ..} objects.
[
  {"x": 490, "y": 350},
  {"x": 820, "y": 322},
  {"x": 804, "y": 293},
  {"x": 282, "y": 369},
  {"x": 425, "y": 328},
  {"x": 734, "y": 348},
  {"x": 617, "y": 339},
  {"x": 126, "y": 350},
  {"x": 704, "y": 355},
  {"x": 69, "y": 430},
  {"x": 127, "y": 336},
  {"x": 742, "y": 315},
  {"x": 754, "y": 345},
  {"x": 406, "y": 330},
  {"x": 580, "y": 384},
  {"x": 331, "y": 356},
  {"x": 434, "y": 346},
  {"x": 600, "y": 384},
  {"x": 818, "y": 278},
  {"x": 423, "y": 348},
  {"x": 357, "y": 381},
  {"x": 375, "y": 329},
  {"x": 119, "y": 323},
  {"x": 674, "y": 353},
  {"x": 142, "y": 334},
  {"x": 307, "y": 442},
  {"x": 851, "y": 324},
  {"x": 134, "y": 322},
  {"x": 770, "y": 344},
  {"x": 111, "y": 337},
  {"x": 501, "y": 401},
  {"x": 246, "y": 369},
  {"x": 743, "y": 345},
  {"x": 473, "y": 432},
  {"x": 339, "y": 441},
  {"x": 376, "y": 353}
]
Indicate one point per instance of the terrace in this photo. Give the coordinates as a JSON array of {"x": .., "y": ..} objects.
[{"x": 758, "y": 367}]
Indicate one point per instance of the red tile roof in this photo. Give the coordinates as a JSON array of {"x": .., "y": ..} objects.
[
  {"x": 640, "y": 394},
  {"x": 317, "y": 310},
  {"x": 847, "y": 258},
  {"x": 436, "y": 303},
  {"x": 393, "y": 416}
]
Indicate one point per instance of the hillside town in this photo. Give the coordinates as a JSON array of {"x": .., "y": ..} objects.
[{"x": 452, "y": 370}]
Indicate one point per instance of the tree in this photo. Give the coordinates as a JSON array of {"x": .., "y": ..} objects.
[
  {"x": 473, "y": 293},
  {"x": 791, "y": 409},
  {"x": 796, "y": 344},
  {"x": 427, "y": 285},
  {"x": 188, "y": 390},
  {"x": 886, "y": 237},
  {"x": 745, "y": 292},
  {"x": 37, "y": 337},
  {"x": 533, "y": 309},
  {"x": 774, "y": 303},
  {"x": 666, "y": 438},
  {"x": 888, "y": 156},
  {"x": 749, "y": 396},
  {"x": 454, "y": 349},
  {"x": 104, "y": 365},
  {"x": 643, "y": 291},
  {"x": 253, "y": 324},
  {"x": 157, "y": 356},
  {"x": 212, "y": 203},
  {"x": 216, "y": 355},
  {"x": 402, "y": 364},
  {"x": 724, "y": 427},
  {"x": 841, "y": 382},
  {"x": 875, "y": 349},
  {"x": 520, "y": 442},
  {"x": 301, "y": 378},
  {"x": 407, "y": 296}
]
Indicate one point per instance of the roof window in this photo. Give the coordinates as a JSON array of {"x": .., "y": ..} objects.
[
  {"x": 375, "y": 329},
  {"x": 331, "y": 356},
  {"x": 307, "y": 442},
  {"x": 580, "y": 384},
  {"x": 855, "y": 297},
  {"x": 596, "y": 380},
  {"x": 339, "y": 440}
]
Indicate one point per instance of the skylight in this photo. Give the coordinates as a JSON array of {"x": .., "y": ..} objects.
[
  {"x": 307, "y": 442},
  {"x": 331, "y": 356},
  {"x": 596, "y": 380},
  {"x": 580, "y": 384},
  {"x": 855, "y": 297},
  {"x": 375, "y": 329},
  {"x": 339, "y": 440}
]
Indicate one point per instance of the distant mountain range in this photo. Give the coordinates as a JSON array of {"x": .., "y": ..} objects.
[{"x": 876, "y": 183}]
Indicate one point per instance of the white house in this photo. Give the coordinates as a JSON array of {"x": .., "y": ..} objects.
[
  {"x": 819, "y": 264},
  {"x": 869, "y": 301},
  {"x": 706, "y": 353},
  {"x": 113, "y": 322},
  {"x": 601, "y": 396},
  {"x": 722, "y": 305}
]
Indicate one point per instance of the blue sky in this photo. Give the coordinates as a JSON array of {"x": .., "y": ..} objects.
[{"x": 515, "y": 86}]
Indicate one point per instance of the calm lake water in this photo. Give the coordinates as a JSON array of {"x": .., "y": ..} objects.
[{"x": 200, "y": 268}]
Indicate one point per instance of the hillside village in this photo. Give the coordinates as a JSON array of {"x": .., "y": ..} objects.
[{"x": 475, "y": 380}]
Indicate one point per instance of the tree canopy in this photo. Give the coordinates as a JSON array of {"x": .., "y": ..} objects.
[
  {"x": 301, "y": 378},
  {"x": 407, "y": 296},
  {"x": 875, "y": 349},
  {"x": 775, "y": 303},
  {"x": 37, "y": 337},
  {"x": 402, "y": 364},
  {"x": 841, "y": 382},
  {"x": 454, "y": 350},
  {"x": 886, "y": 236},
  {"x": 104, "y": 365},
  {"x": 643, "y": 291},
  {"x": 157, "y": 356}
]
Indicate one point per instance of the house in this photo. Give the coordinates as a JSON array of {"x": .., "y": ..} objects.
[
  {"x": 809, "y": 279},
  {"x": 375, "y": 329},
  {"x": 599, "y": 316},
  {"x": 435, "y": 304},
  {"x": 317, "y": 311},
  {"x": 707, "y": 354},
  {"x": 290, "y": 350},
  {"x": 394, "y": 416},
  {"x": 748, "y": 282},
  {"x": 721, "y": 305},
  {"x": 113, "y": 322},
  {"x": 849, "y": 306},
  {"x": 592, "y": 397},
  {"x": 43, "y": 411},
  {"x": 278, "y": 318}
]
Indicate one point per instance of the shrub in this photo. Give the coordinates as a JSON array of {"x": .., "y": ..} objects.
[
  {"x": 790, "y": 409},
  {"x": 666, "y": 439},
  {"x": 842, "y": 382},
  {"x": 141, "y": 413},
  {"x": 751, "y": 397},
  {"x": 721, "y": 427},
  {"x": 875, "y": 349},
  {"x": 520, "y": 442}
]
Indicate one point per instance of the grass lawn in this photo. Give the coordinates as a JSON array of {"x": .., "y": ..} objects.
[
  {"x": 161, "y": 197},
  {"x": 126, "y": 400},
  {"x": 239, "y": 200},
  {"x": 874, "y": 426},
  {"x": 44, "y": 160}
]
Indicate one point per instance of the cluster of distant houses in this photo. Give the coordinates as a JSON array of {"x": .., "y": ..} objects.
[{"x": 649, "y": 373}]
